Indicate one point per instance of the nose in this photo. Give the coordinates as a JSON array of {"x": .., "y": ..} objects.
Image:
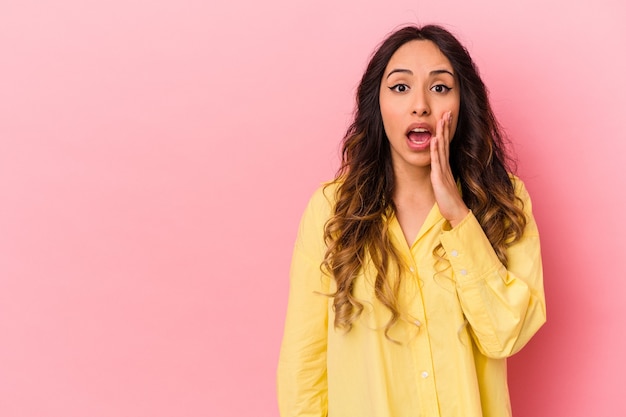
[{"x": 421, "y": 107}]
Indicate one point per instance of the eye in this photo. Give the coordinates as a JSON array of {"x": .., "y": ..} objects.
[
  {"x": 440, "y": 88},
  {"x": 399, "y": 88}
]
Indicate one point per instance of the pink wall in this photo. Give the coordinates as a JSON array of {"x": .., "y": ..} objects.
[{"x": 155, "y": 157}]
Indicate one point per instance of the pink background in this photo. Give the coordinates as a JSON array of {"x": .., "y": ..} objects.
[{"x": 155, "y": 157}]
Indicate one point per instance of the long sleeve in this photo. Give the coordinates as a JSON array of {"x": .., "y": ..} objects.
[
  {"x": 503, "y": 306},
  {"x": 301, "y": 377},
  {"x": 435, "y": 370}
]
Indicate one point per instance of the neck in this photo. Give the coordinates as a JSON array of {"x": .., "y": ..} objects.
[
  {"x": 413, "y": 186},
  {"x": 413, "y": 198}
]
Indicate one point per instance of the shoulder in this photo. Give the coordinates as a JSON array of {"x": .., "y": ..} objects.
[
  {"x": 526, "y": 205},
  {"x": 320, "y": 207},
  {"x": 322, "y": 202},
  {"x": 319, "y": 210},
  {"x": 520, "y": 191}
]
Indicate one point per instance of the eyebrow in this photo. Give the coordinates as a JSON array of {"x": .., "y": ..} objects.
[
  {"x": 441, "y": 71},
  {"x": 408, "y": 71},
  {"x": 400, "y": 70}
]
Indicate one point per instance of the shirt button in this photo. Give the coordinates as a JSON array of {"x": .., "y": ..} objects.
[
  {"x": 417, "y": 323},
  {"x": 454, "y": 253},
  {"x": 411, "y": 269},
  {"x": 463, "y": 272},
  {"x": 424, "y": 374}
]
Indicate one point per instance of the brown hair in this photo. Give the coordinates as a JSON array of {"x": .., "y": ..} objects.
[{"x": 366, "y": 180}]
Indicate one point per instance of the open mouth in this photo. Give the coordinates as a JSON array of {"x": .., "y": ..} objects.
[{"x": 419, "y": 135}]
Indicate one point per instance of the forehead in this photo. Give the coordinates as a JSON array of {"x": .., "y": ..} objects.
[{"x": 418, "y": 54}]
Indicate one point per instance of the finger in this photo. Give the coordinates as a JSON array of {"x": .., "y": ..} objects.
[
  {"x": 442, "y": 144},
  {"x": 434, "y": 155},
  {"x": 439, "y": 128},
  {"x": 446, "y": 132},
  {"x": 434, "y": 145}
]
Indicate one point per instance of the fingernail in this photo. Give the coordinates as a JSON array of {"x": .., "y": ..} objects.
[{"x": 449, "y": 116}]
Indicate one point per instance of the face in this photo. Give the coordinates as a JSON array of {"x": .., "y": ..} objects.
[{"x": 418, "y": 87}]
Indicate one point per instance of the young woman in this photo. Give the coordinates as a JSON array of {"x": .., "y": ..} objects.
[{"x": 417, "y": 271}]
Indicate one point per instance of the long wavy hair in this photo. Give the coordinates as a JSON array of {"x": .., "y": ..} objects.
[{"x": 365, "y": 180}]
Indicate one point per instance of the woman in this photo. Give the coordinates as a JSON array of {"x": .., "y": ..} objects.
[{"x": 417, "y": 271}]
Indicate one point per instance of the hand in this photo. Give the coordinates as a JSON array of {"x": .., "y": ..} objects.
[{"x": 447, "y": 194}]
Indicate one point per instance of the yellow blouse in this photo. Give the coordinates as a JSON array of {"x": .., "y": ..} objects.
[{"x": 463, "y": 317}]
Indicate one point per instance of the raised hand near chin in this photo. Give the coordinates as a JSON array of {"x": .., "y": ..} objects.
[{"x": 447, "y": 194}]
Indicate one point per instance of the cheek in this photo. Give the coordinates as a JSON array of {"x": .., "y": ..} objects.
[
  {"x": 387, "y": 117},
  {"x": 391, "y": 112}
]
